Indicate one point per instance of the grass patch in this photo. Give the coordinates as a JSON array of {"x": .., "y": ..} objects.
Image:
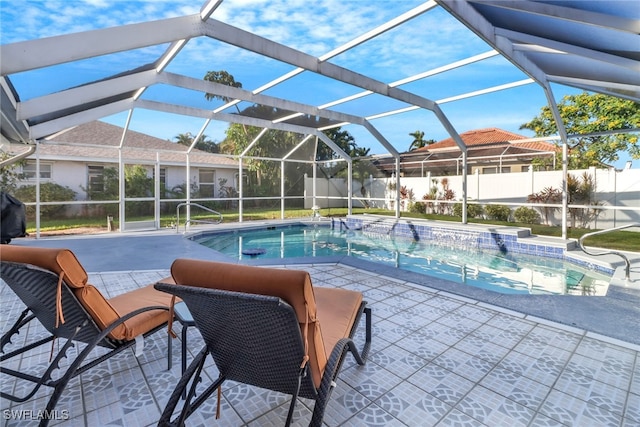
[
  {"x": 619, "y": 240},
  {"x": 623, "y": 240}
]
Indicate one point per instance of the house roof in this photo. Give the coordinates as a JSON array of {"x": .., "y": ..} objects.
[
  {"x": 101, "y": 133},
  {"x": 476, "y": 137},
  {"x": 99, "y": 141},
  {"x": 483, "y": 145},
  {"x": 535, "y": 145}
]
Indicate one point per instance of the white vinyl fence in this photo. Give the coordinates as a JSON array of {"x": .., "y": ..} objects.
[{"x": 616, "y": 199}]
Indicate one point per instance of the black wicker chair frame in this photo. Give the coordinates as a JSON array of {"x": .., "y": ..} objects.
[
  {"x": 255, "y": 340},
  {"x": 36, "y": 288}
]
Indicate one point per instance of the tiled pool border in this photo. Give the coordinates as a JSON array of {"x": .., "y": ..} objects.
[
  {"x": 507, "y": 239},
  {"x": 474, "y": 236}
]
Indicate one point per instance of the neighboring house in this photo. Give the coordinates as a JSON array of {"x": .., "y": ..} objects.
[
  {"x": 77, "y": 158},
  {"x": 489, "y": 150}
]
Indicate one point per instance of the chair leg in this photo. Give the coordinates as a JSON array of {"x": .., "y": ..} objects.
[
  {"x": 181, "y": 387},
  {"x": 367, "y": 344},
  {"x": 169, "y": 352},
  {"x": 191, "y": 376},
  {"x": 294, "y": 398},
  {"x": 334, "y": 364},
  {"x": 15, "y": 329}
]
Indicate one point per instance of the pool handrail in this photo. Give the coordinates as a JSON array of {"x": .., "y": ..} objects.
[
  {"x": 190, "y": 221},
  {"x": 627, "y": 273}
]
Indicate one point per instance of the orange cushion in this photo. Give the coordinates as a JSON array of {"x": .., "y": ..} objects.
[
  {"x": 293, "y": 286},
  {"x": 103, "y": 311},
  {"x": 52, "y": 259},
  {"x": 337, "y": 310},
  {"x": 134, "y": 300},
  {"x": 100, "y": 309}
]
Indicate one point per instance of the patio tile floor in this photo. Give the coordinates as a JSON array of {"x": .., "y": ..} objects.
[{"x": 436, "y": 360}]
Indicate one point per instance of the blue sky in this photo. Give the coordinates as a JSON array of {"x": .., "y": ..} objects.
[{"x": 428, "y": 41}]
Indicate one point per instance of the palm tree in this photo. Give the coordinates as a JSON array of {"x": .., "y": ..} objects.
[
  {"x": 184, "y": 138},
  {"x": 223, "y": 77},
  {"x": 203, "y": 144},
  {"x": 418, "y": 140}
]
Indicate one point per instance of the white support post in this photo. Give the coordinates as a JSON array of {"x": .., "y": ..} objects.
[
  {"x": 156, "y": 191},
  {"x": 397, "y": 187},
  {"x": 240, "y": 189},
  {"x": 37, "y": 191},
  {"x": 282, "y": 190},
  {"x": 315, "y": 174},
  {"x": 464, "y": 187},
  {"x": 188, "y": 191},
  {"x": 370, "y": 189},
  {"x": 121, "y": 189},
  {"x": 562, "y": 131},
  {"x": 350, "y": 186},
  {"x": 531, "y": 179},
  {"x": 314, "y": 183}
]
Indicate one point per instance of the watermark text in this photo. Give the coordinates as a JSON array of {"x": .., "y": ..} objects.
[{"x": 31, "y": 415}]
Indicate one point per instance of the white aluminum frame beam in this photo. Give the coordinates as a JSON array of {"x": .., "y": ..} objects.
[
  {"x": 568, "y": 14},
  {"x": 355, "y": 42},
  {"x": 45, "y": 52},
  {"x": 420, "y": 76},
  {"x": 464, "y": 12},
  {"x": 518, "y": 37},
  {"x": 243, "y": 39},
  {"x": 234, "y": 118},
  {"x": 103, "y": 89},
  {"x": 40, "y": 53},
  {"x": 50, "y": 127},
  {"x": 84, "y": 94}
]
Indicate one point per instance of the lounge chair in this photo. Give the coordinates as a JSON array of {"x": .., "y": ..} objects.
[
  {"x": 265, "y": 327},
  {"x": 53, "y": 286}
]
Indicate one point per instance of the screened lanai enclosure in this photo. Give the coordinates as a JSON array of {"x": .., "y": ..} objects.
[{"x": 306, "y": 98}]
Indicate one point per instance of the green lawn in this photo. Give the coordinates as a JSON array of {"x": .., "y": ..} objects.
[{"x": 620, "y": 240}]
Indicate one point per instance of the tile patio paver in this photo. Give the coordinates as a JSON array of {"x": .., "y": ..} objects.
[{"x": 436, "y": 360}]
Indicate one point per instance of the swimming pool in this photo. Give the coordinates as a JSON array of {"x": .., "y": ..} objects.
[{"x": 494, "y": 270}]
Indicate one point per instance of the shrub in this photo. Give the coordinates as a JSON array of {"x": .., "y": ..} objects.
[
  {"x": 417, "y": 207},
  {"x": 473, "y": 211},
  {"x": 547, "y": 196},
  {"x": 526, "y": 215},
  {"x": 498, "y": 212},
  {"x": 49, "y": 192}
]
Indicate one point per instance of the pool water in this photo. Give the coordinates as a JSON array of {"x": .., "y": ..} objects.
[{"x": 496, "y": 271}]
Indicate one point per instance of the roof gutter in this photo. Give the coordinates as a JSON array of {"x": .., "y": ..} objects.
[{"x": 29, "y": 151}]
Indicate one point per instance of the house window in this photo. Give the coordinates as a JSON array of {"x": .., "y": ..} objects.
[
  {"x": 245, "y": 180},
  {"x": 207, "y": 182},
  {"x": 163, "y": 175},
  {"x": 29, "y": 171},
  {"x": 163, "y": 179},
  {"x": 95, "y": 179},
  {"x": 505, "y": 169}
]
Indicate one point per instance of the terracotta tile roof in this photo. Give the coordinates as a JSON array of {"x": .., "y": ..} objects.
[
  {"x": 536, "y": 145},
  {"x": 99, "y": 140},
  {"x": 483, "y": 145},
  {"x": 476, "y": 137}
]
